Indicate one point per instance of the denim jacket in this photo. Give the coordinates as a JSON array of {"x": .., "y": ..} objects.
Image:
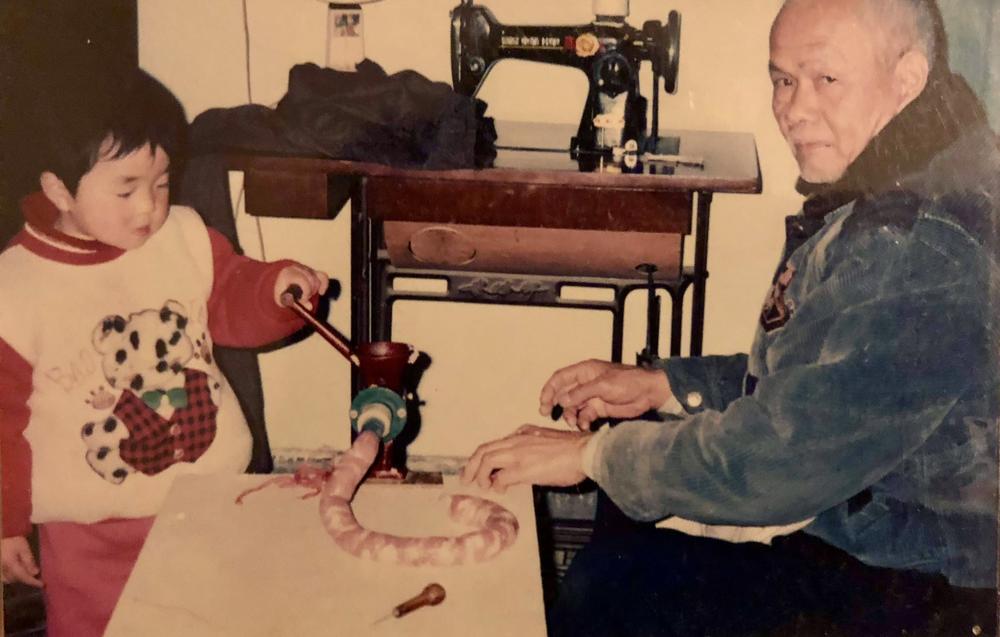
[{"x": 872, "y": 405}]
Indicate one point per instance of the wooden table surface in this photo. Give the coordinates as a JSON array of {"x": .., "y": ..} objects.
[
  {"x": 531, "y": 152},
  {"x": 268, "y": 568}
]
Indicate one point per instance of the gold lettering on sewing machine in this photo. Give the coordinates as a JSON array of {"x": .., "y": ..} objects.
[{"x": 530, "y": 42}]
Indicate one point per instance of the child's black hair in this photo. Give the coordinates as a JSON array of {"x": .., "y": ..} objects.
[{"x": 131, "y": 109}]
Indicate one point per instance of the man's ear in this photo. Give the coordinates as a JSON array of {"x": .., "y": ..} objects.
[
  {"x": 910, "y": 77},
  {"x": 56, "y": 191}
]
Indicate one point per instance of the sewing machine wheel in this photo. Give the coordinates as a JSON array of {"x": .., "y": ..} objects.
[
  {"x": 672, "y": 52},
  {"x": 666, "y": 40}
]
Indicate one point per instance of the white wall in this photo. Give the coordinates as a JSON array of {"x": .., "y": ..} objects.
[{"x": 489, "y": 362}]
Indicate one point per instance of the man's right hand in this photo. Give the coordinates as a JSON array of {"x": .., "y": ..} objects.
[
  {"x": 17, "y": 563},
  {"x": 595, "y": 389}
]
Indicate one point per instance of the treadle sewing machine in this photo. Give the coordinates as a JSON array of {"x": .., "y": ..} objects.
[{"x": 608, "y": 50}]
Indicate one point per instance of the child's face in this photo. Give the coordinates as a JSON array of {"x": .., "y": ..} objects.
[{"x": 120, "y": 202}]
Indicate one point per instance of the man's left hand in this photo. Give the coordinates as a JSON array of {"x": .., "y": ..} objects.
[
  {"x": 532, "y": 455},
  {"x": 595, "y": 389}
]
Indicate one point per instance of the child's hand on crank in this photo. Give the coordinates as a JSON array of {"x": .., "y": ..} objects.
[
  {"x": 312, "y": 282},
  {"x": 17, "y": 563}
]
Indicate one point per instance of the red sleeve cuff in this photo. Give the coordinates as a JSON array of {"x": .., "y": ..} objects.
[{"x": 15, "y": 453}]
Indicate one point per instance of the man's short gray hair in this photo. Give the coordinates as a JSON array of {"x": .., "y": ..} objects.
[
  {"x": 912, "y": 24},
  {"x": 909, "y": 24}
]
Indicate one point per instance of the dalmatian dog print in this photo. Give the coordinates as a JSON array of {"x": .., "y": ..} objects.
[
  {"x": 165, "y": 411},
  {"x": 102, "y": 438},
  {"x": 145, "y": 351}
]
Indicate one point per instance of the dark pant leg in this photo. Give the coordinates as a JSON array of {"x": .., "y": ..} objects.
[
  {"x": 610, "y": 521},
  {"x": 867, "y": 600},
  {"x": 659, "y": 582},
  {"x": 666, "y": 583}
]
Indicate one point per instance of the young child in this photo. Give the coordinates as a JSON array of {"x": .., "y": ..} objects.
[{"x": 112, "y": 301}]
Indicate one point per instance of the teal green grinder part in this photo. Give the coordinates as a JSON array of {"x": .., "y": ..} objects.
[{"x": 379, "y": 410}]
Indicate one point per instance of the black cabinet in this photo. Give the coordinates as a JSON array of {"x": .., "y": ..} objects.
[{"x": 46, "y": 46}]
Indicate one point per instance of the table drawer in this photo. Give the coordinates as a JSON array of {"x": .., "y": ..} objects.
[
  {"x": 528, "y": 205},
  {"x": 527, "y": 250}
]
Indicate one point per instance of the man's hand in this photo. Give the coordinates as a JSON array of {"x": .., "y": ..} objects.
[
  {"x": 596, "y": 389},
  {"x": 17, "y": 564},
  {"x": 311, "y": 281},
  {"x": 532, "y": 455}
]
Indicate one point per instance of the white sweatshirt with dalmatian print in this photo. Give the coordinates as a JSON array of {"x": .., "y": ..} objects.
[{"x": 108, "y": 386}]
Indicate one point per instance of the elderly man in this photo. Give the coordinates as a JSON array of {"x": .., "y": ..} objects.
[{"x": 866, "y": 413}]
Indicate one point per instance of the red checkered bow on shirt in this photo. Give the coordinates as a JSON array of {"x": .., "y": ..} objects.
[{"x": 156, "y": 443}]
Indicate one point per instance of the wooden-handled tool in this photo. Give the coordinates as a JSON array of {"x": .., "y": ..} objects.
[
  {"x": 432, "y": 595},
  {"x": 290, "y": 299}
]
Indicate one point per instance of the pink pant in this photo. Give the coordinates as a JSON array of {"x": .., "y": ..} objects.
[{"x": 85, "y": 567}]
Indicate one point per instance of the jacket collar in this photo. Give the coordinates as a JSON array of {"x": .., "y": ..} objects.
[
  {"x": 41, "y": 237},
  {"x": 945, "y": 111}
]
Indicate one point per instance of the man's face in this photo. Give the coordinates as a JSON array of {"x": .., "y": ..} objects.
[
  {"x": 833, "y": 85},
  {"x": 120, "y": 202}
]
